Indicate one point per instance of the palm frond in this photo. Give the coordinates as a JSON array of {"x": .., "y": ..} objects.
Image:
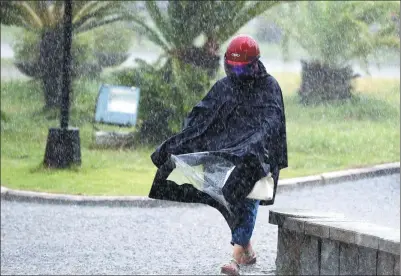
[
  {"x": 224, "y": 11},
  {"x": 246, "y": 14},
  {"x": 161, "y": 22},
  {"x": 98, "y": 10},
  {"x": 182, "y": 17},
  {"x": 81, "y": 8},
  {"x": 151, "y": 34},
  {"x": 92, "y": 23},
  {"x": 31, "y": 13}
]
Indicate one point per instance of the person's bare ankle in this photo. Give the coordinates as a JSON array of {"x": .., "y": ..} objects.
[
  {"x": 238, "y": 252},
  {"x": 248, "y": 249}
]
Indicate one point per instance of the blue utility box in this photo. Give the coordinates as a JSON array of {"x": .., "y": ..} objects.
[{"x": 117, "y": 105}]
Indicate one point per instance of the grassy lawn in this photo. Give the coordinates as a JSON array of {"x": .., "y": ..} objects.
[
  {"x": 320, "y": 139},
  {"x": 9, "y": 33}
]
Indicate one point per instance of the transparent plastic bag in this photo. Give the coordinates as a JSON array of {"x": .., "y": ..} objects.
[
  {"x": 206, "y": 172},
  {"x": 209, "y": 173}
]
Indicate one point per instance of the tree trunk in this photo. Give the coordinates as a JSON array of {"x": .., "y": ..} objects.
[
  {"x": 206, "y": 57},
  {"x": 322, "y": 83},
  {"x": 51, "y": 63}
]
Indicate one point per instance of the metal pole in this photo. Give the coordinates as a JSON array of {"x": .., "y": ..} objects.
[
  {"x": 63, "y": 147},
  {"x": 65, "y": 100}
]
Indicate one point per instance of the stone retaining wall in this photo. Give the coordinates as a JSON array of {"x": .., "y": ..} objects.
[{"x": 313, "y": 243}]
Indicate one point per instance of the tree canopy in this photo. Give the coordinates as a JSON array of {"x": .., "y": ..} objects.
[{"x": 338, "y": 32}]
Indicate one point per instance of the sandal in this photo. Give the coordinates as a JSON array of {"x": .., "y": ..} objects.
[
  {"x": 232, "y": 268},
  {"x": 248, "y": 258}
]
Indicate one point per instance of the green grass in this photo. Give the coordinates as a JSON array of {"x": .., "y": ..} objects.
[
  {"x": 7, "y": 62},
  {"x": 322, "y": 138},
  {"x": 23, "y": 140},
  {"x": 9, "y": 33},
  {"x": 10, "y": 71}
]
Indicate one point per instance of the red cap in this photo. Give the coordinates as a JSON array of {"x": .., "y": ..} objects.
[{"x": 242, "y": 50}]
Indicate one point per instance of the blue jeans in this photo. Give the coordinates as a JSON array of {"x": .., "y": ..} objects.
[{"x": 243, "y": 232}]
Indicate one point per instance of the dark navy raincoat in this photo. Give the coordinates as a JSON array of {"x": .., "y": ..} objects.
[{"x": 240, "y": 121}]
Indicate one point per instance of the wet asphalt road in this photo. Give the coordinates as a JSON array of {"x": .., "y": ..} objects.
[{"x": 57, "y": 239}]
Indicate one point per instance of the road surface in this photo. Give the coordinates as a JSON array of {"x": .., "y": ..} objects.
[
  {"x": 272, "y": 65},
  {"x": 57, "y": 239}
]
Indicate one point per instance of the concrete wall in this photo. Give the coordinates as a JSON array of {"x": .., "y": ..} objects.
[{"x": 313, "y": 243}]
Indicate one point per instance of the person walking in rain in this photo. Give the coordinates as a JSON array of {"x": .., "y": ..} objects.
[{"x": 241, "y": 121}]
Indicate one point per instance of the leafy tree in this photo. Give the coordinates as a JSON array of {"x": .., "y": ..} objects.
[
  {"x": 45, "y": 19},
  {"x": 185, "y": 69},
  {"x": 335, "y": 34}
]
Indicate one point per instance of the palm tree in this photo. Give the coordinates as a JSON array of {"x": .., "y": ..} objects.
[
  {"x": 335, "y": 34},
  {"x": 45, "y": 19},
  {"x": 176, "y": 29}
]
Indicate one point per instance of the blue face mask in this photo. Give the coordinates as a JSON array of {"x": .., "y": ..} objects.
[{"x": 242, "y": 72}]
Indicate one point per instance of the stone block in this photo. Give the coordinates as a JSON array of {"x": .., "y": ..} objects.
[
  {"x": 390, "y": 245},
  {"x": 397, "y": 266},
  {"x": 320, "y": 227},
  {"x": 367, "y": 259},
  {"x": 367, "y": 240},
  {"x": 112, "y": 139},
  {"x": 375, "y": 236},
  {"x": 278, "y": 216},
  {"x": 339, "y": 229},
  {"x": 274, "y": 218},
  {"x": 309, "y": 257},
  {"x": 342, "y": 235},
  {"x": 288, "y": 252},
  {"x": 357, "y": 232},
  {"x": 385, "y": 263},
  {"x": 348, "y": 259},
  {"x": 330, "y": 257},
  {"x": 317, "y": 230},
  {"x": 294, "y": 224},
  {"x": 311, "y": 242}
]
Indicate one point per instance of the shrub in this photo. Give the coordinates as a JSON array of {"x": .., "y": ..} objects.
[{"x": 166, "y": 96}]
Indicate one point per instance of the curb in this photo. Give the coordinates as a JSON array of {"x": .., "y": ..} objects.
[
  {"x": 109, "y": 201},
  {"x": 338, "y": 177},
  {"x": 145, "y": 202}
]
